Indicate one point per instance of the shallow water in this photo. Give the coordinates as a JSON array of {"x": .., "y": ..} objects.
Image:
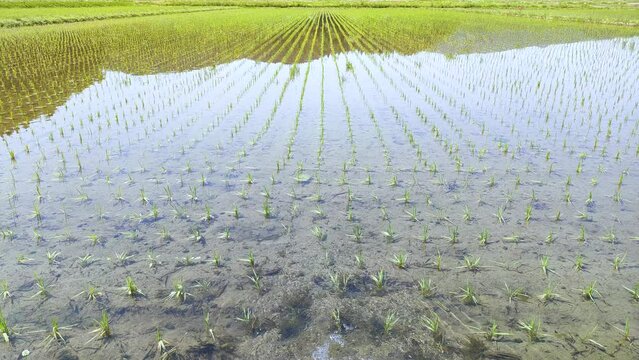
[{"x": 152, "y": 175}]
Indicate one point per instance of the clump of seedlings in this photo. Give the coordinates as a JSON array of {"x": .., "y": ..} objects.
[
  {"x": 493, "y": 333},
  {"x": 426, "y": 288},
  {"x": 103, "y": 331},
  {"x": 250, "y": 259},
  {"x": 468, "y": 295},
  {"x": 433, "y": 324},
  {"x": 5, "y": 293},
  {"x": 208, "y": 328},
  {"x": 247, "y": 318},
  {"x": 318, "y": 232},
  {"x": 91, "y": 293},
  {"x": 400, "y": 260},
  {"x": 163, "y": 346},
  {"x": 517, "y": 293},
  {"x": 340, "y": 281},
  {"x": 634, "y": 292},
  {"x": 54, "y": 334},
  {"x": 617, "y": 261},
  {"x": 532, "y": 328},
  {"x": 131, "y": 288},
  {"x": 5, "y": 330},
  {"x": 589, "y": 291},
  {"x": 256, "y": 280},
  {"x": 379, "y": 279},
  {"x": 389, "y": 322},
  {"x": 41, "y": 286},
  {"x": 548, "y": 294},
  {"x": 179, "y": 293}
]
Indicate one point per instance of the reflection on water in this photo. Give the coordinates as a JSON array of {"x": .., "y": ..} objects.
[
  {"x": 40, "y": 68},
  {"x": 476, "y": 168}
]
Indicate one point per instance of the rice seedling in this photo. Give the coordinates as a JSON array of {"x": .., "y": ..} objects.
[
  {"x": 103, "y": 331},
  {"x": 359, "y": 260},
  {"x": 52, "y": 257},
  {"x": 500, "y": 215},
  {"x": 550, "y": 238},
  {"x": 266, "y": 209},
  {"x": 5, "y": 330},
  {"x": 453, "y": 235},
  {"x": 589, "y": 291},
  {"x": 548, "y": 294},
  {"x": 400, "y": 260},
  {"x": 543, "y": 263},
  {"x": 23, "y": 260},
  {"x": 153, "y": 260},
  {"x": 425, "y": 234},
  {"x": 196, "y": 236},
  {"x": 121, "y": 258},
  {"x": 471, "y": 263},
  {"x": 250, "y": 259},
  {"x": 579, "y": 263},
  {"x": 582, "y": 234},
  {"x": 426, "y": 288},
  {"x": 484, "y": 235},
  {"x": 438, "y": 261},
  {"x": 179, "y": 293},
  {"x": 91, "y": 293},
  {"x": 54, "y": 334},
  {"x": 188, "y": 260},
  {"x": 36, "y": 213},
  {"x": 340, "y": 281},
  {"x": 4, "y": 290},
  {"x": 207, "y": 216},
  {"x": 517, "y": 293},
  {"x": 393, "y": 181},
  {"x": 493, "y": 333},
  {"x": 617, "y": 261},
  {"x": 208, "y": 328},
  {"x": 528, "y": 214},
  {"x": 42, "y": 287},
  {"x": 357, "y": 234},
  {"x": 389, "y": 322},
  {"x": 337, "y": 319},
  {"x": 94, "y": 239},
  {"x": 412, "y": 214},
  {"x": 384, "y": 212},
  {"x": 131, "y": 288},
  {"x": 379, "y": 279},
  {"x": 433, "y": 324},
  {"x": 225, "y": 234},
  {"x": 318, "y": 232},
  {"x": 256, "y": 280},
  {"x": 85, "y": 260},
  {"x": 247, "y": 318},
  {"x": 162, "y": 346},
  {"x": 468, "y": 216},
  {"x": 610, "y": 236},
  {"x": 634, "y": 292},
  {"x": 217, "y": 259},
  {"x": 468, "y": 295},
  {"x": 533, "y": 329}
]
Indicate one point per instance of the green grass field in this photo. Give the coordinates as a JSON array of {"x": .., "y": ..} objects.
[
  {"x": 13, "y": 17},
  {"x": 15, "y": 13}
]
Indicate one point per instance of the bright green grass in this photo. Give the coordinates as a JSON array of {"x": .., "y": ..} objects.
[
  {"x": 618, "y": 16},
  {"x": 13, "y": 17}
]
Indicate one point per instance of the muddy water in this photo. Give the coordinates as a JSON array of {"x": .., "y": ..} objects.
[{"x": 153, "y": 176}]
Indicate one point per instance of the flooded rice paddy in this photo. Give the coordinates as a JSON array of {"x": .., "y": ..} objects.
[{"x": 323, "y": 189}]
